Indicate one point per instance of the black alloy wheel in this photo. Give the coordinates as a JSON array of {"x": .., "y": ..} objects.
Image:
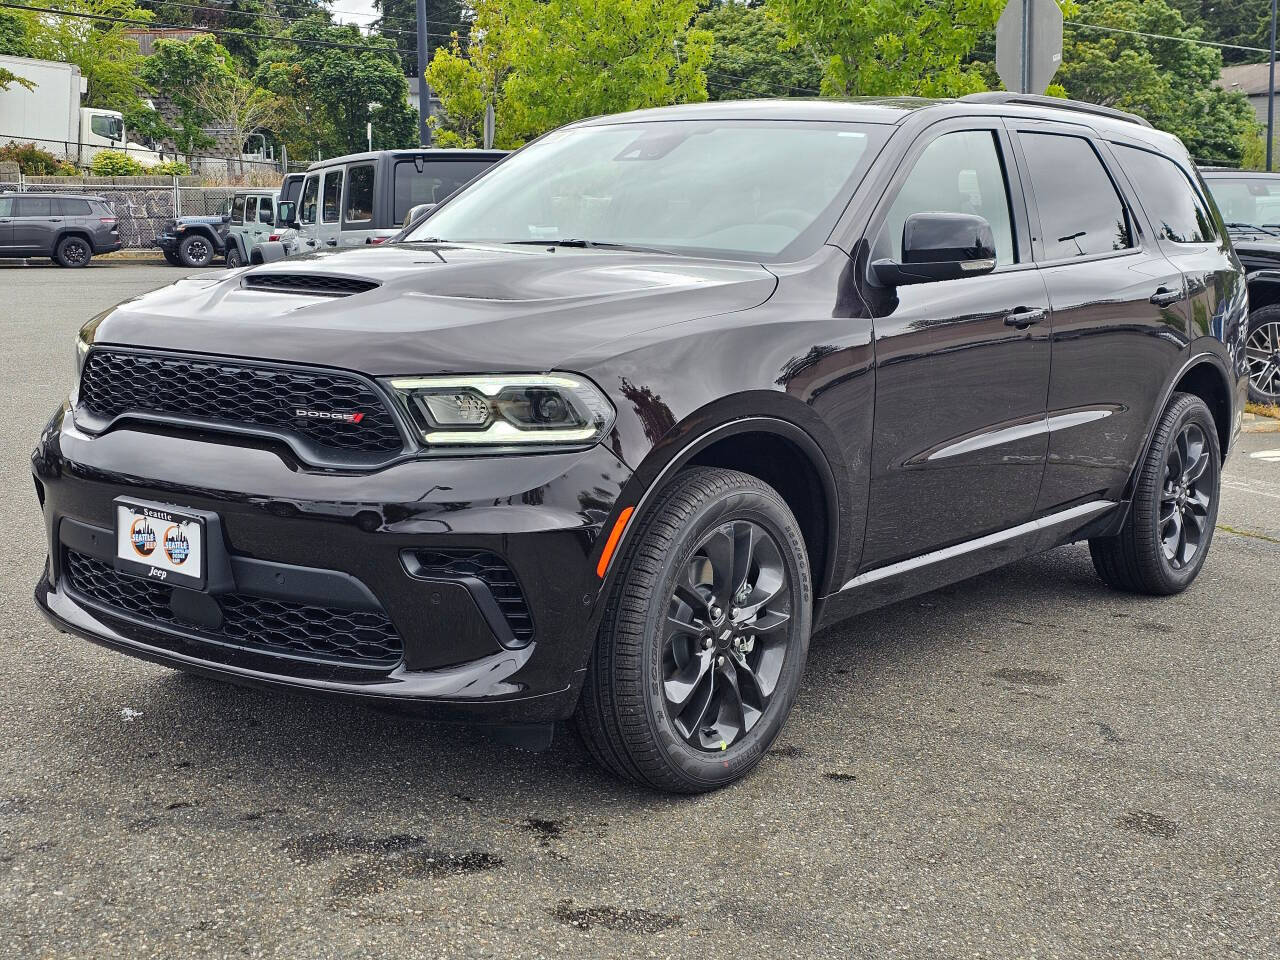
[
  {"x": 195, "y": 251},
  {"x": 73, "y": 252},
  {"x": 1169, "y": 524},
  {"x": 727, "y": 635},
  {"x": 706, "y": 629},
  {"x": 1184, "y": 501},
  {"x": 1262, "y": 352}
]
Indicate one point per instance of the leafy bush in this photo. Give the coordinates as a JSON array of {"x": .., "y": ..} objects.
[
  {"x": 112, "y": 163},
  {"x": 32, "y": 161},
  {"x": 169, "y": 168}
]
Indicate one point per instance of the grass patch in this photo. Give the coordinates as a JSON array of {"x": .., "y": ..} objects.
[{"x": 1263, "y": 410}]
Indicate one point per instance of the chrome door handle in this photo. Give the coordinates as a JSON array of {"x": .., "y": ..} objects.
[
  {"x": 1164, "y": 297},
  {"x": 1023, "y": 317},
  {"x": 55, "y": 219},
  {"x": 331, "y": 243}
]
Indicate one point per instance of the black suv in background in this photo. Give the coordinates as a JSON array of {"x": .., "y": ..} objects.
[
  {"x": 615, "y": 428},
  {"x": 1250, "y": 205},
  {"x": 69, "y": 229}
]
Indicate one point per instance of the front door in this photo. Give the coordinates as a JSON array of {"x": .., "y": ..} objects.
[
  {"x": 962, "y": 366},
  {"x": 1119, "y": 321}
]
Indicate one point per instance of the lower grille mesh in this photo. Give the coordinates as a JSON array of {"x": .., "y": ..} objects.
[{"x": 358, "y": 637}]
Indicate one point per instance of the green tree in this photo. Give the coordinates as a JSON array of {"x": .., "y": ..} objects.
[
  {"x": 173, "y": 71},
  {"x": 1237, "y": 22},
  {"x": 1170, "y": 82},
  {"x": 890, "y": 47},
  {"x": 748, "y": 59},
  {"x": 544, "y": 63},
  {"x": 14, "y": 41},
  {"x": 107, "y": 57},
  {"x": 330, "y": 93},
  {"x": 398, "y": 22}
]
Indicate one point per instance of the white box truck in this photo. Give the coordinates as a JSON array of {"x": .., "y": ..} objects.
[{"x": 50, "y": 116}]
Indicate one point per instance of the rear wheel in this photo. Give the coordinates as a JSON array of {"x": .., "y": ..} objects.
[
  {"x": 1262, "y": 351},
  {"x": 703, "y": 644},
  {"x": 1167, "y": 533},
  {"x": 234, "y": 259},
  {"x": 73, "y": 252},
  {"x": 195, "y": 251}
]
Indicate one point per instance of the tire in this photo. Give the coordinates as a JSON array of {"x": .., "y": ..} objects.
[
  {"x": 195, "y": 251},
  {"x": 624, "y": 716},
  {"x": 73, "y": 252},
  {"x": 1262, "y": 352},
  {"x": 171, "y": 258},
  {"x": 1175, "y": 502},
  {"x": 233, "y": 257}
]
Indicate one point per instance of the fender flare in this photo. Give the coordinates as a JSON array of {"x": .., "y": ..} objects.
[{"x": 763, "y": 423}]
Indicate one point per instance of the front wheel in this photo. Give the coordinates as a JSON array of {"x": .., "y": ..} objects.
[
  {"x": 195, "y": 251},
  {"x": 704, "y": 640},
  {"x": 1167, "y": 533}
]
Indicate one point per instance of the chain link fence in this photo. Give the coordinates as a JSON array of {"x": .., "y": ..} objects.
[{"x": 144, "y": 206}]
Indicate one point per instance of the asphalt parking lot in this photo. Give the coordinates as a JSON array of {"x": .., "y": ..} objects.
[{"x": 1022, "y": 765}]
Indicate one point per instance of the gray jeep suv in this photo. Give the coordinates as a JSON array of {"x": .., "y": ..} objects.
[{"x": 69, "y": 229}]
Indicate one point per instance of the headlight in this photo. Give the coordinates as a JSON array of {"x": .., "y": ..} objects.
[
  {"x": 504, "y": 411},
  {"x": 84, "y": 340}
]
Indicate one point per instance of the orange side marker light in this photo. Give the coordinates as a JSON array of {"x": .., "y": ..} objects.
[{"x": 612, "y": 543}]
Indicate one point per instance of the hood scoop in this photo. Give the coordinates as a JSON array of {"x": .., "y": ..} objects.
[{"x": 308, "y": 284}]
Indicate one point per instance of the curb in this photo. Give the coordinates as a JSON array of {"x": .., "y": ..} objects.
[{"x": 1253, "y": 423}]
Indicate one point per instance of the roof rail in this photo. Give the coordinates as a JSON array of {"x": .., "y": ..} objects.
[{"x": 1032, "y": 100}]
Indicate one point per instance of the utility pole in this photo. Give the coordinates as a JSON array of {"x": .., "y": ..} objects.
[
  {"x": 1271, "y": 90},
  {"x": 424, "y": 94}
]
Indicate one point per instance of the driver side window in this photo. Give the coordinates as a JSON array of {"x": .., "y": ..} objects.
[{"x": 957, "y": 173}]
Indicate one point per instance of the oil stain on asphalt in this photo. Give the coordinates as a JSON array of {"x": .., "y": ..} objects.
[{"x": 611, "y": 918}]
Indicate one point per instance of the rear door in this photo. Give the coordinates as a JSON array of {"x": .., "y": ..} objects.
[
  {"x": 266, "y": 218},
  {"x": 1118, "y": 320},
  {"x": 34, "y": 225},
  {"x": 309, "y": 213},
  {"x": 6, "y": 222},
  {"x": 357, "y": 205},
  {"x": 958, "y": 448}
]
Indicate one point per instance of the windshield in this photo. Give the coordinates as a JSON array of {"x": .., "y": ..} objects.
[
  {"x": 760, "y": 190},
  {"x": 1247, "y": 201}
]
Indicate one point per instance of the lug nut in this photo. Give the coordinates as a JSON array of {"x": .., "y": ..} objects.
[
  {"x": 715, "y": 612},
  {"x": 706, "y": 643}
]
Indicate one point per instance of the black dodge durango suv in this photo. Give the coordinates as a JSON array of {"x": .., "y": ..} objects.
[{"x": 613, "y": 430}]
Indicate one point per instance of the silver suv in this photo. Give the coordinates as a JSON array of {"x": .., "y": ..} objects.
[{"x": 69, "y": 229}]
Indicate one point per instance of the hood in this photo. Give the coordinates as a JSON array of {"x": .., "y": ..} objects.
[{"x": 428, "y": 308}]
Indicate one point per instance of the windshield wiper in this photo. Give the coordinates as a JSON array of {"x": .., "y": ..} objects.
[{"x": 588, "y": 244}]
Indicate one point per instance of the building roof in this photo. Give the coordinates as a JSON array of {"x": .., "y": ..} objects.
[
  {"x": 146, "y": 39},
  {"x": 1251, "y": 79}
]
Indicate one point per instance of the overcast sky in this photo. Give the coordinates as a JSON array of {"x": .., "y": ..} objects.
[{"x": 359, "y": 12}]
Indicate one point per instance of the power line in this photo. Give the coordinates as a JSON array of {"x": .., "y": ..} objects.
[
  {"x": 245, "y": 34},
  {"x": 278, "y": 16},
  {"x": 1161, "y": 36}
]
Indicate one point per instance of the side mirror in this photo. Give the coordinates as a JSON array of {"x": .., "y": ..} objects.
[
  {"x": 940, "y": 246},
  {"x": 286, "y": 211},
  {"x": 417, "y": 211}
]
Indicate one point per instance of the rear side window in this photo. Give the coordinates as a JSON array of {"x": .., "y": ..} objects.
[
  {"x": 6, "y": 206},
  {"x": 957, "y": 173},
  {"x": 359, "y": 194},
  {"x": 237, "y": 210},
  {"x": 332, "y": 195},
  {"x": 251, "y": 209},
  {"x": 310, "y": 193},
  {"x": 70, "y": 207},
  {"x": 1081, "y": 214},
  {"x": 438, "y": 179},
  {"x": 1174, "y": 205},
  {"x": 266, "y": 211},
  {"x": 33, "y": 207}
]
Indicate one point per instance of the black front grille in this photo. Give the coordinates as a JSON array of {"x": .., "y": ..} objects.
[
  {"x": 333, "y": 411},
  {"x": 492, "y": 571},
  {"x": 356, "y": 637},
  {"x": 316, "y": 284}
]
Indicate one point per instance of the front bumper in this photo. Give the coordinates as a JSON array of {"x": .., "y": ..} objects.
[
  {"x": 167, "y": 242},
  {"x": 302, "y": 536}
]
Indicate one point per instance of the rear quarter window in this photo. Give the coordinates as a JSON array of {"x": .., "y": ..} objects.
[
  {"x": 71, "y": 207},
  {"x": 1177, "y": 211},
  {"x": 1081, "y": 214}
]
